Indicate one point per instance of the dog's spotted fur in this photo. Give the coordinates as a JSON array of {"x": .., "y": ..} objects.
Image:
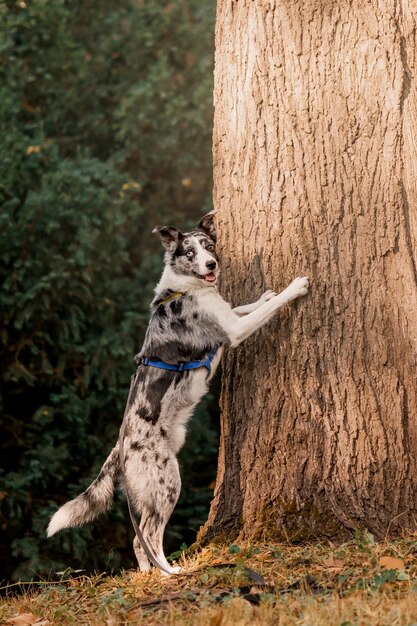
[{"x": 189, "y": 319}]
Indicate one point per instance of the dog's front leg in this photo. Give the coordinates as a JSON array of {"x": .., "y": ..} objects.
[
  {"x": 242, "y": 328},
  {"x": 248, "y": 308}
]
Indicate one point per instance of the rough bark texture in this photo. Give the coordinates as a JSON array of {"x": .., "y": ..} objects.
[{"x": 315, "y": 174}]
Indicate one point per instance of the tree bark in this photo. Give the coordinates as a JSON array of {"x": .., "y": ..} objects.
[{"x": 315, "y": 174}]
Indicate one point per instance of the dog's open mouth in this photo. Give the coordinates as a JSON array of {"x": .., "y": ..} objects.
[{"x": 209, "y": 278}]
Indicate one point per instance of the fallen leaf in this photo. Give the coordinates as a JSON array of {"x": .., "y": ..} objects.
[
  {"x": 217, "y": 619},
  {"x": 23, "y": 619},
  {"x": 389, "y": 562},
  {"x": 331, "y": 562},
  {"x": 238, "y": 612}
]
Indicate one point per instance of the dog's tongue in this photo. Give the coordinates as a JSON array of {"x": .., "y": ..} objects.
[{"x": 210, "y": 277}]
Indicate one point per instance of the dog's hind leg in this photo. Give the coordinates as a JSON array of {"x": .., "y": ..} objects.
[
  {"x": 142, "y": 559},
  {"x": 161, "y": 486}
]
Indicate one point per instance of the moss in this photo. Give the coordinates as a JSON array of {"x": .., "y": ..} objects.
[
  {"x": 287, "y": 521},
  {"x": 276, "y": 521},
  {"x": 219, "y": 533}
]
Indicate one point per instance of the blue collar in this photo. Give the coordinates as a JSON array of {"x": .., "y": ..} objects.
[{"x": 182, "y": 366}]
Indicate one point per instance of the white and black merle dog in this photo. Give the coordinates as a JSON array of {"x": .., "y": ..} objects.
[{"x": 189, "y": 326}]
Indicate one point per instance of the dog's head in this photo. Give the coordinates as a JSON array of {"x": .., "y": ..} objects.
[{"x": 192, "y": 254}]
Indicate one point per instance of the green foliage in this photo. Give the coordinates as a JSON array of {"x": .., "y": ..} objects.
[
  {"x": 105, "y": 119},
  {"x": 363, "y": 538},
  {"x": 178, "y": 553}
]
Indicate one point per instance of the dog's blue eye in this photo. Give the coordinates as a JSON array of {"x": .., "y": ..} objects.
[{"x": 189, "y": 254}]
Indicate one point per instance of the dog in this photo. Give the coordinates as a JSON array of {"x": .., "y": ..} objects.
[{"x": 189, "y": 327}]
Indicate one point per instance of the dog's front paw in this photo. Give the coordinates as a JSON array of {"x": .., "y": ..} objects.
[
  {"x": 267, "y": 296},
  {"x": 299, "y": 287}
]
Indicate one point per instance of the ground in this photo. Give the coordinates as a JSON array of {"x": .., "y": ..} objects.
[{"x": 361, "y": 582}]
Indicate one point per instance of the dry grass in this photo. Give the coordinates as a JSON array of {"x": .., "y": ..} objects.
[{"x": 357, "y": 583}]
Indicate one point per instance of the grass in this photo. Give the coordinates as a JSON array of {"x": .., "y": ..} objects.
[{"x": 360, "y": 582}]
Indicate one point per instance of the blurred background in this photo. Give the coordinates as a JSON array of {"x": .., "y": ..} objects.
[{"x": 106, "y": 119}]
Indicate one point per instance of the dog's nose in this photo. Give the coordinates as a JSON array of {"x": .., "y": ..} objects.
[{"x": 211, "y": 265}]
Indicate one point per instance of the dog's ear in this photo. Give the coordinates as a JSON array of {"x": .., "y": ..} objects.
[
  {"x": 169, "y": 235},
  {"x": 207, "y": 223}
]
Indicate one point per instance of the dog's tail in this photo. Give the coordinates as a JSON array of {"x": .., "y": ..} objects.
[{"x": 96, "y": 499}]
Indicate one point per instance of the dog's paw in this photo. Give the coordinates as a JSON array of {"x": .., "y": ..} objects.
[
  {"x": 299, "y": 286},
  {"x": 265, "y": 297}
]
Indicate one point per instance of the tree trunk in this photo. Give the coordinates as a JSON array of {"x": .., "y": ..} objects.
[{"x": 315, "y": 174}]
